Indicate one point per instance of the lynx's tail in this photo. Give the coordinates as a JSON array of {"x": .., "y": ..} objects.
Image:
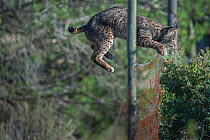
[{"x": 76, "y": 30}]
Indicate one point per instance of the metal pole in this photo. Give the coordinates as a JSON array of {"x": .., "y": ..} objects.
[{"x": 131, "y": 49}]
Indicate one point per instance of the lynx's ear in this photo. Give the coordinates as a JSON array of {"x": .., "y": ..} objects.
[{"x": 169, "y": 29}]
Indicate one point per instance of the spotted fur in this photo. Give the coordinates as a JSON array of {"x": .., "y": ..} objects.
[{"x": 105, "y": 26}]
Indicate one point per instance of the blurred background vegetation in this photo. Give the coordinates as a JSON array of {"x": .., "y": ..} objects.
[{"x": 50, "y": 88}]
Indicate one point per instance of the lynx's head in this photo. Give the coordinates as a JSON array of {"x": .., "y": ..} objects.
[{"x": 168, "y": 34}]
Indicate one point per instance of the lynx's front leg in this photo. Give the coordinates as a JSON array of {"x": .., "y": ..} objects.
[{"x": 149, "y": 43}]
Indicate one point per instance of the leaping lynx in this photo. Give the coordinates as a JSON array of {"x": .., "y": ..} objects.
[{"x": 105, "y": 26}]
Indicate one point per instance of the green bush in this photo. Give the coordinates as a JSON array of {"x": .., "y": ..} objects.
[{"x": 185, "y": 104}]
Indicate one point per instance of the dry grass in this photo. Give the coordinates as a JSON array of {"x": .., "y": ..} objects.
[{"x": 37, "y": 121}]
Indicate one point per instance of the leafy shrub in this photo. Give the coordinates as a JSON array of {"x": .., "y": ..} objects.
[{"x": 185, "y": 105}]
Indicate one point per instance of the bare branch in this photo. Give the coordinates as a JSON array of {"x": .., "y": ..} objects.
[
  {"x": 69, "y": 101},
  {"x": 96, "y": 100},
  {"x": 18, "y": 7},
  {"x": 26, "y": 98}
]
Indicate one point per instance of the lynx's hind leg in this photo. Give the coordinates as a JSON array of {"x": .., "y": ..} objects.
[
  {"x": 102, "y": 40},
  {"x": 107, "y": 55},
  {"x": 97, "y": 58},
  {"x": 100, "y": 51}
]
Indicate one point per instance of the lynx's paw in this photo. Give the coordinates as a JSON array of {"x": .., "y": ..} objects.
[
  {"x": 162, "y": 51},
  {"x": 111, "y": 69},
  {"x": 109, "y": 56}
]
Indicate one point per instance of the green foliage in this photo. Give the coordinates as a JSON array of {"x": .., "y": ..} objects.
[{"x": 186, "y": 97}]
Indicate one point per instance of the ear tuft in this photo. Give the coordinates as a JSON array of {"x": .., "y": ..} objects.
[{"x": 175, "y": 25}]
